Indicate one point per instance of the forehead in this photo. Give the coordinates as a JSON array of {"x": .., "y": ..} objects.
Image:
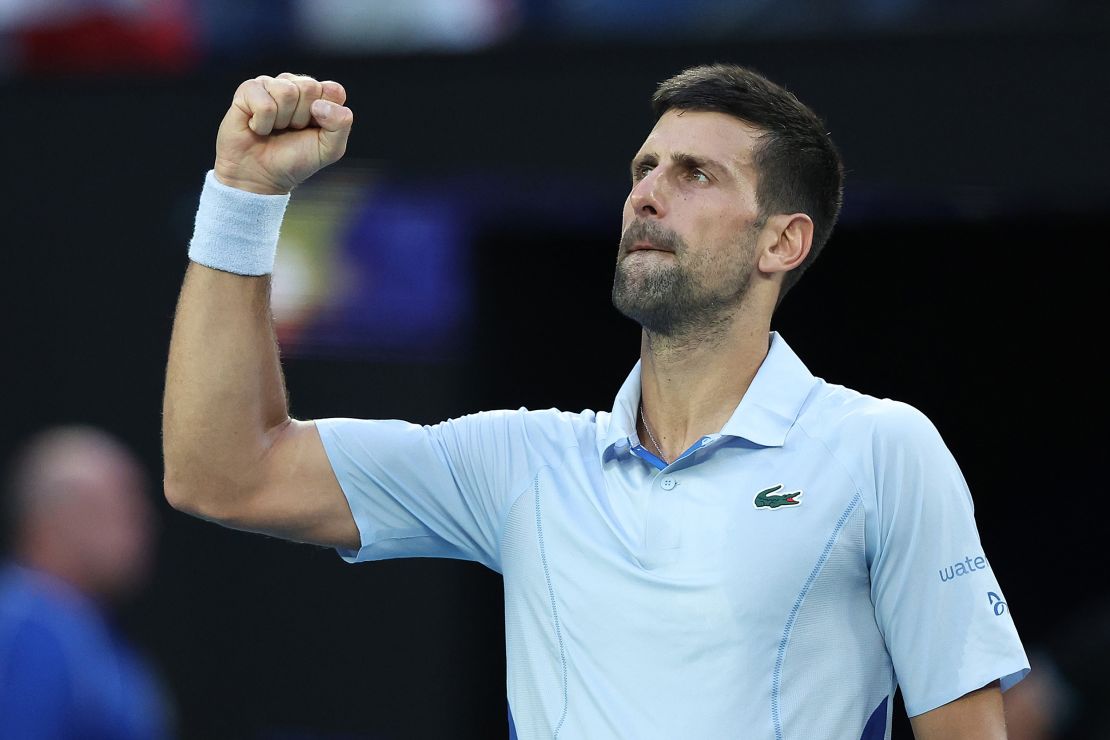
[{"x": 715, "y": 135}]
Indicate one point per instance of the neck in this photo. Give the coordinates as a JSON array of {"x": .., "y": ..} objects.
[
  {"x": 43, "y": 554},
  {"x": 691, "y": 384}
]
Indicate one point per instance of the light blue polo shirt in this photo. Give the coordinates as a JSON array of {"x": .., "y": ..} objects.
[{"x": 776, "y": 581}]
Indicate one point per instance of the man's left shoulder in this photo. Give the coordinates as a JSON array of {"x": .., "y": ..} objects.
[{"x": 837, "y": 411}]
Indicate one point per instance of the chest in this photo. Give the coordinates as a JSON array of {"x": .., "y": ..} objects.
[{"x": 721, "y": 544}]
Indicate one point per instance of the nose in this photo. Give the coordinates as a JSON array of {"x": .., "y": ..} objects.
[{"x": 647, "y": 196}]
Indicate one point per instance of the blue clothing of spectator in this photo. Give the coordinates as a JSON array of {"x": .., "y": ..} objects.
[{"x": 65, "y": 672}]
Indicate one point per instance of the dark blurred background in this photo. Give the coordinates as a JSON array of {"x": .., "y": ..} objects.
[{"x": 460, "y": 258}]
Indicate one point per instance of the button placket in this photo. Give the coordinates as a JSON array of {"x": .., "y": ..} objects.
[{"x": 662, "y": 529}]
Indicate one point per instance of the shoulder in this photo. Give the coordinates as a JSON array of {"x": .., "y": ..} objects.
[
  {"x": 551, "y": 418},
  {"x": 878, "y": 441},
  {"x": 538, "y": 427},
  {"x": 834, "y": 411},
  {"x": 484, "y": 426},
  {"x": 41, "y": 620}
]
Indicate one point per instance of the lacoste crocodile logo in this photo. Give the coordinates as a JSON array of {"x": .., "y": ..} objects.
[{"x": 770, "y": 498}]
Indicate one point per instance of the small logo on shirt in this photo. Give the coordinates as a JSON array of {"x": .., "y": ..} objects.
[
  {"x": 957, "y": 569},
  {"x": 770, "y": 498},
  {"x": 997, "y": 602}
]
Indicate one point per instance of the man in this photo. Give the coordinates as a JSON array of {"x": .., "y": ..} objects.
[
  {"x": 738, "y": 549},
  {"x": 81, "y": 531}
]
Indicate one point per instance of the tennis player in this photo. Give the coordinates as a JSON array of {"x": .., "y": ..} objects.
[{"x": 738, "y": 549}]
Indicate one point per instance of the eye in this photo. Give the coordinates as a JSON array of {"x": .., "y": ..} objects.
[
  {"x": 640, "y": 171},
  {"x": 698, "y": 176}
]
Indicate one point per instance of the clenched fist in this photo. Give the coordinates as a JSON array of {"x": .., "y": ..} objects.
[{"x": 279, "y": 131}]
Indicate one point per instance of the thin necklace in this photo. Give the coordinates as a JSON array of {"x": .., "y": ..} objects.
[{"x": 652, "y": 436}]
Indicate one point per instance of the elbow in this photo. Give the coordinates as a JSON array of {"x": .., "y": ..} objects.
[
  {"x": 185, "y": 496},
  {"x": 199, "y": 498},
  {"x": 177, "y": 494},
  {"x": 181, "y": 484}
]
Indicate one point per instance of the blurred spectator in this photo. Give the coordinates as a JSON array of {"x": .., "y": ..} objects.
[
  {"x": 702, "y": 20},
  {"x": 169, "y": 36},
  {"x": 82, "y": 536},
  {"x": 98, "y": 36},
  {"x": 403, "y": 25},
  {"x": 1065, "y": 695}
]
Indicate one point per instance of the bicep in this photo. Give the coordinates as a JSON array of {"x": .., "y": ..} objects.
[
  {"x": 376, "y": 489},
  {"x": 974, "y": 716},
  {"x": 299, "y": 497}
]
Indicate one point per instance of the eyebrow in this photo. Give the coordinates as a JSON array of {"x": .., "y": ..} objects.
[
  {"x": 693, "y": 161},
  {"x": 682, "y": 159}
]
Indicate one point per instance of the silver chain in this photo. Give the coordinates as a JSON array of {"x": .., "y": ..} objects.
[{"x": 650, "y": 435}]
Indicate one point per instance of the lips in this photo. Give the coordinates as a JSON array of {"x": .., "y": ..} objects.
[
  {"x": 643, "y": 235},
  {"x": 646, "y": 247}
]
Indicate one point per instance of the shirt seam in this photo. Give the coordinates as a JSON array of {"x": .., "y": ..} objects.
[
  {"x": 832, "y": 455},
  {"x": 554, "y": 603},
  {"x": 776, "y": 675},
  {"x": 511, "y": 499},
  {"x": 851, "y": 478}
]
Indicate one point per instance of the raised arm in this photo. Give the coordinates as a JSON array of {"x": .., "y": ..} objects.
[{"x": 232, "y": 454}]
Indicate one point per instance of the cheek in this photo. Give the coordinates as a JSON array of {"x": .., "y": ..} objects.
[
  {"x": 728, "y": 227},
  {"x": 712, "y": 231}
]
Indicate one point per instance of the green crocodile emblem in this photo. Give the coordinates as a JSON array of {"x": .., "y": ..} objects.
[{"x": 770, "y": 498}]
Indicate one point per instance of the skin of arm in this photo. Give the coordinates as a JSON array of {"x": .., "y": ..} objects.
[
  {"x": 232, "y": 453},
  {"x": 974, "y": 716}
]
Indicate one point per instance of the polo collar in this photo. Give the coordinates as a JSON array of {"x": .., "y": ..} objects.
[{"x": 764, "y": 415}]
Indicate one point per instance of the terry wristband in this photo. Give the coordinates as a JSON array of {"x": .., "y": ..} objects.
[{"x": 236, "y": 231}]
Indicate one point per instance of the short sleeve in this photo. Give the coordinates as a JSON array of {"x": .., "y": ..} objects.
[
  {"x": 943, "y": 616},
  {"x": 429, "y": 491}
]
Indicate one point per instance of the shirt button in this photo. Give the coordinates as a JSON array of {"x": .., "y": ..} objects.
[{"x": 668, "y": 484}]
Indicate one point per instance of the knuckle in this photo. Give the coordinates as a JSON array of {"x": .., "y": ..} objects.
[
  {"x": 248, "y": 86},
  {"x": 310, "y": 87},
  {"x": 277, "y": 88},
  {"x": 285, "y": 90}
]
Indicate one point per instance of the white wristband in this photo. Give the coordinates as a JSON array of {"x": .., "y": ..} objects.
[{"x": 236, "y": 231}]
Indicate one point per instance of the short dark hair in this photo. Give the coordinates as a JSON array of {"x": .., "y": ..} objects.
[{"x": 799, "y": 168}]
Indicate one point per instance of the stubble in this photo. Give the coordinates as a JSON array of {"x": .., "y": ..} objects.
[{"x": 684, "y": 296}]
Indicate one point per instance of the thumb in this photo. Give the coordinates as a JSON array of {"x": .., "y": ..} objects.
[{"x": 335, "y": 123}]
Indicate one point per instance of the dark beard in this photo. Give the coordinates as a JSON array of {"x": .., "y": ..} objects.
[{"x": 669, "y": 302}]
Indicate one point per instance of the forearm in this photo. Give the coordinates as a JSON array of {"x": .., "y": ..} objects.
[
  {"x": 231, "y": 452},
  {"x": 225, "y": 396}
]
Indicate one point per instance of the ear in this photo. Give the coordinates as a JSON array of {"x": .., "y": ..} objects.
[{"x": 789, "y": 238}]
